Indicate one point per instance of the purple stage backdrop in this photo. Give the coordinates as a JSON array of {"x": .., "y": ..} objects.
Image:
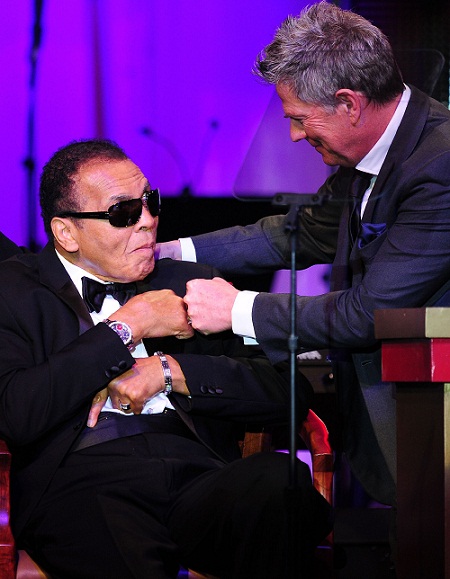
[{"x": 170, "y": 82}]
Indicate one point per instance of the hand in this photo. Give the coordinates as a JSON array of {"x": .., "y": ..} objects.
[
  {"x": 155, "y": 314},
  {"x": 170, "y": 249},
  {"x": 209, "y": 304},
  {"x": 97, "y": 405},
  {"x": 143, "y": 381}
]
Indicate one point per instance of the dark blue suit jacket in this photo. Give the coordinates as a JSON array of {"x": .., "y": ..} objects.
[{"x": 401, "y": 259}]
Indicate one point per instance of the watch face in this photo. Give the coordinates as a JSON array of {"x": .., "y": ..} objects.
[{"x": 123, "y": 331}]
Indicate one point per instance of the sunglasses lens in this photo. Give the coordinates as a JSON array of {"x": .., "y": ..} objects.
[
  {"x": 125, "y": 213},
  {"x": 153, "y": 202}
]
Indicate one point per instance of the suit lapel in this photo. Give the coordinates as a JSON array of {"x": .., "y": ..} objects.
[
  {"x": 54, "y": 276},
  {"x": 404, "y": 143}
]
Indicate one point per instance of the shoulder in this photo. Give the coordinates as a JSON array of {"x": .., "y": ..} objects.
[
  {"x": 22, "y": 280},
  {"x": 23, "y": 264},
  {"x": 423, "y": 108},
  {"x": 8, "y": 248}
]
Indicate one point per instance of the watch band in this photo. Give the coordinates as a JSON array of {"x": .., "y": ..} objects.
[
  {"x": 123, "y": 330},
  {"x": 168, "y": 384}
]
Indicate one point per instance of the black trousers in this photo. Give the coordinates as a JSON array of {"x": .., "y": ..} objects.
[{"x": 122, "y": 509}]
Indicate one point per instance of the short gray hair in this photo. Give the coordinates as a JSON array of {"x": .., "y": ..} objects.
[{"x": 325, "y": 49}]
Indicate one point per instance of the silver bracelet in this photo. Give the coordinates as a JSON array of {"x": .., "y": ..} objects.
[{"x": 168, "y": 385}]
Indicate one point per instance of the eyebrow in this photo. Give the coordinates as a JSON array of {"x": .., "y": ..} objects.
[{"x": 124, "y": 197}]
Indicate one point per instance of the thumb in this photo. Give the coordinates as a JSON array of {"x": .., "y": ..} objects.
[{"x": 96, "y": 407}]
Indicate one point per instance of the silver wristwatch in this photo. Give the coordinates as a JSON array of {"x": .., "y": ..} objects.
[{"x": 123, "y": 330}]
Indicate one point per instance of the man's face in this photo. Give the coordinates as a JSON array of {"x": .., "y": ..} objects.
[
  {"x": 113, "y": 253},
  {"x": 332, "y": 134}
]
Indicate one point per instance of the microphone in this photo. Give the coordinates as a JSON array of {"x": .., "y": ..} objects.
[
  {"x": 176, "y": 156},
  {"x": 205, "y": 149},
  {"x": 169, "y": 146}
]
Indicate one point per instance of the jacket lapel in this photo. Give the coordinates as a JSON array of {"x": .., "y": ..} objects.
[
  {"x": 404, "y": 143},
  {"x": 55, "y": 278}
]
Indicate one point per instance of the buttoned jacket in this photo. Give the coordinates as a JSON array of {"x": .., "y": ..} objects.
[
  {"x": 401, "y": 259},
  {"x": 53, "y": 360}
]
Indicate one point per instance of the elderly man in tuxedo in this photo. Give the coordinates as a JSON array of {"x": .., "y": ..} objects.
[
  {"x": 122, "y": 421},
  {"x": 341, "y": 90}
]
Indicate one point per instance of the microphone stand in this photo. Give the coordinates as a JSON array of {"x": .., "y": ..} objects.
[
  {"x": 29, "y": 162},
  {"x": 296, "y": 203},
  {"x": 186, "y": 189}
]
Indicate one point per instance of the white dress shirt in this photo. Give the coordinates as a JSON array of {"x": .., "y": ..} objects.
[{"x": 157, "y": 403}]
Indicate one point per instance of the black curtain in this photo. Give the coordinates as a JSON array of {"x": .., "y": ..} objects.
[{"x": 414, "y": 25}]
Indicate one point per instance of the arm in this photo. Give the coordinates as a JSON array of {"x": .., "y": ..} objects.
[
  {"x": 241, "y": 389},
  {"x": 264, "y": 246},
  {"x": 222, "y": 362},
  {"x": 46, "y": 379},
  {"x": 403, "y": 267},
  {"x": 246, "y": 390},
  {"x": 48, "y": 372}
]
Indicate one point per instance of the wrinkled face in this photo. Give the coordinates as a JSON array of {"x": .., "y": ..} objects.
[
  {"x": 330, "y": 133},
  {"x": 112, "y": 253}
]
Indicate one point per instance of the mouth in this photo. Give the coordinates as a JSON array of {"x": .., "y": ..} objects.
[
  {"x": 149, "y": 247},
  {"x": 321, "y": 149},
  {"x": 314, "y": 143}
]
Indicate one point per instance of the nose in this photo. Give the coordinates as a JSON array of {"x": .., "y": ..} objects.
[
  {"x": 297, "y": 133},
  {"x": 146, "y": 221}
]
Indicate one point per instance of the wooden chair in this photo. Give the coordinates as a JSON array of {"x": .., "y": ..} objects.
[{"x": 19, "y": 565}]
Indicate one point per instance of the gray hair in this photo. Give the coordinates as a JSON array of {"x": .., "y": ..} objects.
[{"x": 325, "y": 49}]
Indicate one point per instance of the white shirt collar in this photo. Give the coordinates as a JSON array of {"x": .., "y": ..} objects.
[
  {"x": 76, "y": 273},
  {"x": 374, "y": 159}
]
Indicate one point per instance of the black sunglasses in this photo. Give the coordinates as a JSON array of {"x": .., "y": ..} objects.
[{"x": 123, "y": 213}]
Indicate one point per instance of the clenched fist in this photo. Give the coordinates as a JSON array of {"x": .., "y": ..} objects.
[
  {"x": 209, "y": 304},
  {"x": 156, "y": 314}
]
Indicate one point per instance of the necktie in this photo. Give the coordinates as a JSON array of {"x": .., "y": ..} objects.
[
  {"x": 359, "y": 185},
  {"x": 94, "y": 292}
]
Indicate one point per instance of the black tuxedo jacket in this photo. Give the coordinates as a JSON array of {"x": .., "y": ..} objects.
[
  {"x": 401, "y": 259},
  {"x": 53, "y": 360}
]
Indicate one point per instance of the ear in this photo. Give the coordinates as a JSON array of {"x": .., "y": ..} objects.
[
  {"x": 65, "y": 234},
  {"x": 351, "y": 103}
]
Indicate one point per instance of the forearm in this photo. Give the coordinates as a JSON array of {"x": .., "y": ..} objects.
[
  {"x": 345, "y": 319},
  {"x": 239, "y": 389},
  {"x": 265, "y": 245},
  {"x": 243, "y": 250},
  {"x": 37, "y": 396}
]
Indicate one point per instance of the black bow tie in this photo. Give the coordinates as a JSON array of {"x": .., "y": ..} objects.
[
  {"x": 94, "y": 292},
  {"x": 359, "y": 185}
]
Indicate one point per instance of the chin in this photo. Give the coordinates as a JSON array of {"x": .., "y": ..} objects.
[
  {"x": 334, "y": 161},
  {"x": 142, "y": 270}
]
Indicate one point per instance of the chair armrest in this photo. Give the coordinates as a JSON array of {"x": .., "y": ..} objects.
[
  {"x": 255, "y": 442},
  {"x": 7, "y": 545},
  {"x": 314, "y": 434}
]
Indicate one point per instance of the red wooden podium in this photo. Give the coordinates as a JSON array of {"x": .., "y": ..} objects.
[{"x": 416, "y": 356}]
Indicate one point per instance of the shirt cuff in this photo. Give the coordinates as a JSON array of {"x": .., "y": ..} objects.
[
  {"x": 188, "y": 252},
  {"x": 241, "y": 314}
]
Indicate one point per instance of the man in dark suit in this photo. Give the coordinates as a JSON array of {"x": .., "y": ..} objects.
[
  {"x": 342, "y": 91},
  {"x": 125, "y": 463}
]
